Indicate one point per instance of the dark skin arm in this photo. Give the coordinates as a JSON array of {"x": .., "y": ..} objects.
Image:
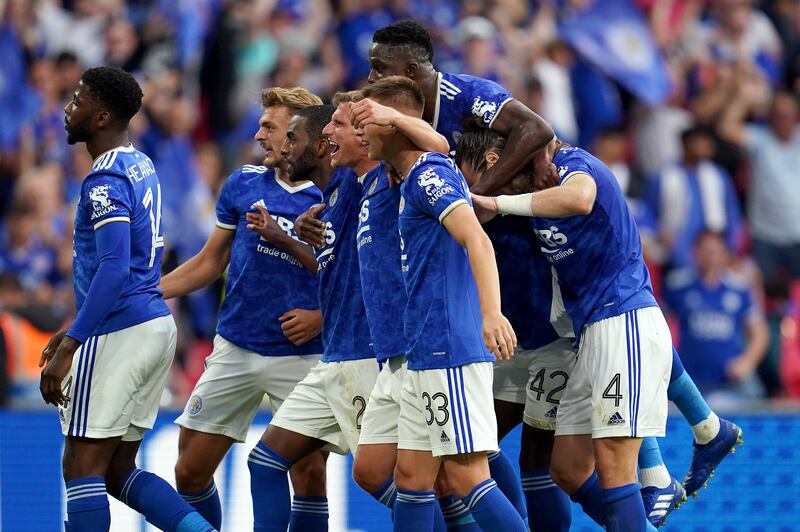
[{"x": 526, "y": 133}]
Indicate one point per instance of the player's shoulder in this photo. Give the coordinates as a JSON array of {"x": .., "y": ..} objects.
[
  {"x": 466, "y": 84},
  {"x": 736, "y": 281},
  {"x": 247, "y": 173},
  {"x": 432, "y": 163},
  {"x": 117, "y": 162}
]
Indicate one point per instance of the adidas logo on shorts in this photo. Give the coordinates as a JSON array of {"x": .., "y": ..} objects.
[
  {"x": 616, "y": 419},
  {"x": 551, "y": 414},
  {"x": 443, "y": 438}
]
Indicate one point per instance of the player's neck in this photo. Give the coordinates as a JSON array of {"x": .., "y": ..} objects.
[
  {"x": 429, "y": 83},
  {"x": 105, "y": 142},
  {"x": 403, "y": 160},
  {"x": 323, "y": 173},
  {"x": 364, "y": 166}
]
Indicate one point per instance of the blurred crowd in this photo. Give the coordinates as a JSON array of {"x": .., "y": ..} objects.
[{"x": 711, "y": 167}]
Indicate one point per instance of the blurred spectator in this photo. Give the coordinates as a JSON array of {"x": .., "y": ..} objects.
[
  {"x": 723, "y": 333},
  {"x": 553, "y": 72},
  {"x": 773, "y": 151},
  {"x": 692, "y": 197}
]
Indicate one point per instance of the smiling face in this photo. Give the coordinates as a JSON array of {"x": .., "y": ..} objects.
[
  {"x": 384, "y": 63},
  {"x": 298, "y": 150},
  {"x": 80, "y": 114},
  {"x": 271, "y": 134},
  {"x": 347, "y": 149}
]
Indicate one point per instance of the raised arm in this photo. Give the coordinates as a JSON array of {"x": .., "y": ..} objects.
[
  {"x": 464, "y": 227},
  {"x": 526, "y": 133},
  {"x": 574, "y": 197},
  {"x": 416, "y": 130},
  {"x": 202, "y": 269}
]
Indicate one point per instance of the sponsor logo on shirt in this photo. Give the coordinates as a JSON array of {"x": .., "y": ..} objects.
[
  {"x": 484, "y": 110},
  {"x": 101, "y": 204},
  {"x": 434, "y": 186},
  {"x": 554, "y": 242}
]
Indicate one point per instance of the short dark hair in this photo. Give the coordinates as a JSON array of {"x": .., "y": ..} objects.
[
  {"x": 696, "y": 131},
  {"x": 116, "y": 89},
  {"x": 409, "y": 34},
  {"x": 317, "y": 117},
  {"x": 396, "y": 90},
  {"x": 472, "y": 145}
]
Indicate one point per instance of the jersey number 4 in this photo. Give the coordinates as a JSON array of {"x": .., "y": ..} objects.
[{"x": 155, "y": 221}]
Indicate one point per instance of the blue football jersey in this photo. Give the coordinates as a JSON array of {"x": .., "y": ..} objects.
[
  {"x": 462, "y": 97},
  {"x": 442, "y": 320},
  {"x": 597, "y": 257},
  {"x": 264, "y": 280},
  {"x": 526, "y": 283},
  {"x": 345, "y": 331},
  {"x": 122, "y": 187},
  {"x": 712, "y": 320}
]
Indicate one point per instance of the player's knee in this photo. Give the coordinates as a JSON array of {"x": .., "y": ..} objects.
[
  {"x": 366, "y": 476},
  {"x": 567, "y": 474},
  {"x": 537, "y": 448},
  {"x": 308, "y": 476},
  {"x": 407, "y": 477},
  {"x": 189, "y": 478}
]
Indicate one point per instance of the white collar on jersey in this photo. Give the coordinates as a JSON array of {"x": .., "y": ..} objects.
[{"x": 292, "y": 189}]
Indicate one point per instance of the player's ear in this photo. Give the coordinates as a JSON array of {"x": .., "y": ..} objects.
[
  {"x": 491, "y": 158},
  {"x": 322, "y": 148},
  {"x": 412, "y": 69},
  {"x": 102, "y": 118}
]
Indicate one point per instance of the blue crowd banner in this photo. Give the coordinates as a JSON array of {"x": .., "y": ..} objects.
[{"x": 613, "y": 36}]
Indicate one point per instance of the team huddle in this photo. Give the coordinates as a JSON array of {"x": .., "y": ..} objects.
[{"x": 416, "y": 269}]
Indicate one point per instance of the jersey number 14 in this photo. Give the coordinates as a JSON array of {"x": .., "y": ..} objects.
[{"x": 155, "y": 221}]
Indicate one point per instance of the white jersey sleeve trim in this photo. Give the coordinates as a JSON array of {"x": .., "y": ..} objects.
[
  {"x": 101, "y": 223},
  {"x": 499, "y": 110},
  {"x": 228, "y": 227},
  {"x": 572, "y": 174},
  {"x": 450, "y": 208}
]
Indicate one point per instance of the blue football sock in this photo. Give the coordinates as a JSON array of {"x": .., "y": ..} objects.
[
  {"x": 652, "y": 471},
  {"x": 590, "y": 497},
  {"x": 548, "y": 505},
  {"x": 492, "y": 510},
  {"x": 87, "y": 505},
  {"x": 309, "y": 514},
  {"x": 207, "y": 504},
  {"x": 413, "y": 510},
  {"x": 456, "y": 515},
  {"x": 684, "y": 393},
  {"x": 625, "y": 509},
  {"x": 157, "y": 501},
  {"x": 269, "y": 486},
  {"x": 504, "y": 474},
  {"x": 386, "y": 494}
]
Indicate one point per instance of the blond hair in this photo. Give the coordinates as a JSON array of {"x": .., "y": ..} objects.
[
  {"x": 347, "y": 97},
  {"x": 294, "y": 99}
]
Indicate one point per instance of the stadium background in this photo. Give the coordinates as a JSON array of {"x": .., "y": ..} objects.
[{"x": 621, "y": 77}]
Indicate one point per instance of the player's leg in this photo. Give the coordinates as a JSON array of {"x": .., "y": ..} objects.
[
  {"x": 415, "y": 475},
  {"x": 660, "y": 492},
  {"x": 461, "y": 429},
  {"x": 84, "y": 465},
  {"x": 280, "y": 376},
  {"x": 199, "y": 455},
  {"x": 549, "y": 370},
  {"x": 509, "y": 383},
  {"x": 149, "y": 494},
  {"x": 714, "y": 438}
]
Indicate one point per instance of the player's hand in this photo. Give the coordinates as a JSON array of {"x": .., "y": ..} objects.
[
  {"x": 498, "y": 335},
  {"x": 56, "y": 370},
  {"x": 50, "y": 349},
  {"x": 309, "y": 229},
  {"x": 368, "y": 112},
  {"x": 739, "y": 369},
  {"x": 262, "y": 223},
  {"x": 300, "y": 325},
  {"x": 485, "y": 207}
]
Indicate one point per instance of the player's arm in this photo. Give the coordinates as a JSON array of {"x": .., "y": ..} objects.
[
  {"x": 574, "y": 197},
  {"x": 202, "y": 269},
  {"x": 755, "y": 349},
  {"x": 463, "y": 226},
  {"x": 113, "y": 242},
  {"x": 415, "y": 129},
  {"x": 262, "y": 223},
  {"x": 526, "y": 133}
]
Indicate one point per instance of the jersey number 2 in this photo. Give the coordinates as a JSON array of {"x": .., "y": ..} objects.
[{"x": 155, "y": 221}]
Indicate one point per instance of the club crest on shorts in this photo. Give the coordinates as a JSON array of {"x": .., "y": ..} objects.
[
  {"x": 334, "y": 197},
  {"x": 195, "y": 405}
]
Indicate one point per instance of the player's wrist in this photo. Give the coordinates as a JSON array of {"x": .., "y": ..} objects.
[{"x": 517, "y": 205}]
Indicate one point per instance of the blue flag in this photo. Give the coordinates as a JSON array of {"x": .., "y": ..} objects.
[{"x": 614, "y": 37}]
